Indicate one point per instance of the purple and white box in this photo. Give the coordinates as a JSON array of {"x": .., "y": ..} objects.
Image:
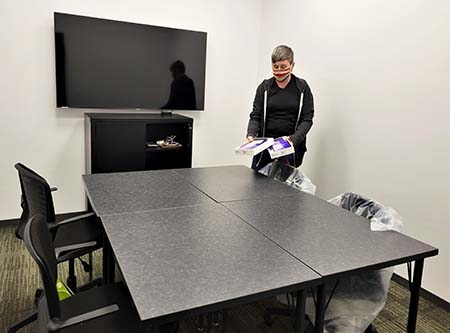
[
  {"x": 254, "y": 147},
  {"x": 280, "y": 147}
]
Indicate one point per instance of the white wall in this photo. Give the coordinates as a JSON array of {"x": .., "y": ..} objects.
[
  {"x": 380, "y": 74},
  {"x": 51, "y": 141},
  {"x": 379, "y": 71}
]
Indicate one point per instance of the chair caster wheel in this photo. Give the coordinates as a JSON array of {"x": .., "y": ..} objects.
[{"x": 37, "y": 295}]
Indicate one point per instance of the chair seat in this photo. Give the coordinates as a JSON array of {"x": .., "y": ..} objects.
[
  {"x": 82, "y": 231},
  {"x": 125, "y": 319}
]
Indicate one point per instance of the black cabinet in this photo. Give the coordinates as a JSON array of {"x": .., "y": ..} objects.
[{"x": 126, "y": 142}]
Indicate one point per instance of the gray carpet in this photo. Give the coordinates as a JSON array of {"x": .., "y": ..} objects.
[{"x": 19, "y": 279}]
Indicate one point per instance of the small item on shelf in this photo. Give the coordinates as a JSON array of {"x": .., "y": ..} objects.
[
  {"x": 281, "y": 147},
  {"x": 254, "y": 147},
  {"x": 169, "y": 142},
  {"x": 152, "y": 145}
]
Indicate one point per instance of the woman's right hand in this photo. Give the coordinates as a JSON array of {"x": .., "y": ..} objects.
[{"x": 250, "y": 138}]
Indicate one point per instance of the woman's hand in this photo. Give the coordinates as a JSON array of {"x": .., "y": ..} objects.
[
  {"x": 288, "y": 138},
  {"x": 250, "y": 138}
]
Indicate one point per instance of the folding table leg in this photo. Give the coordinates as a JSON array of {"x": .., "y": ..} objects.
[
  {"x": 72, "y": 279},
  {"x": 226, "y": 323},
  {"x": 299, "y": 325},
  {"x": 415, "y": 294},
  {"x": 320, "y": 309},
  {"x": 108, "y": 262}
]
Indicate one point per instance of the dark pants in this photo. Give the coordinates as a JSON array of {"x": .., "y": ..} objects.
[{"x": 262, "y": 159}]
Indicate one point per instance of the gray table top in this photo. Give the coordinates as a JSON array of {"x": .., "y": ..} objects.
[
  {"x": 329, "y": 239},
  {"x": 125, "y": 192},
  {"x": 185, "y": 258},
  {"x": 231, "y": 183}
]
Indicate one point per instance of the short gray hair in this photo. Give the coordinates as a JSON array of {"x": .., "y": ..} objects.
[{"x": 282, "y": 52}]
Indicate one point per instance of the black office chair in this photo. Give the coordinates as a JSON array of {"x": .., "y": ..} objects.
[
  {"x": 72, "y": 238},
  {"x": 104, "y": 309}
]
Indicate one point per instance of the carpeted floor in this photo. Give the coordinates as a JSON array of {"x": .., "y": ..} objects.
[{"x": 19, "y": 279}]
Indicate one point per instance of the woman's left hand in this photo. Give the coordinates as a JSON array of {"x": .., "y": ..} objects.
[{"x": 288, "y": 138}]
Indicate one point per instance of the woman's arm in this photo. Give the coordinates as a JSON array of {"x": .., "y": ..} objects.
[
  {"x": 306, "y": 117},
  {"x": 254, "y": 124}
]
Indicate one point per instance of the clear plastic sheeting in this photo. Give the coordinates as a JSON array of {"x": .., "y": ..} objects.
[
  {"x": 288, "y": 174},
  {"x": 356, "y": 302},
  {"x": 381, "y": 217},
  {"x": 358, "y": 299}
]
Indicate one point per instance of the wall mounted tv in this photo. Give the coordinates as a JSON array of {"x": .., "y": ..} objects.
[{"x": 105, "y": 64}]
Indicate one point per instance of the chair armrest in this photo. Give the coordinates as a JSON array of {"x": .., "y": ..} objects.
[
  {"x": 69, "y": 220},
  {"x": 53, "y": 189},
  {"x": 72, "y": 247},
  {"x": 55, "y": 325}
]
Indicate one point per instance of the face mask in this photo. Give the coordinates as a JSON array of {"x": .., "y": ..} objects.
[{"x": 281, "y": 75}]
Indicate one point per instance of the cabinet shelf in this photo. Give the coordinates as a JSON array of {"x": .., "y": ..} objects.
[
  {"x": 118, "y": 142},
  {"x": 159, "y": 149}
]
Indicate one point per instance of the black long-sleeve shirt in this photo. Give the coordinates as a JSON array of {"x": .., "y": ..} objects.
[
  {"x": 258, "y": 125},
  {"x": 282, "y": 110}
]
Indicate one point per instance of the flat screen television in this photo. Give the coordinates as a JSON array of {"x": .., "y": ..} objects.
[{"x": 106, "y": 64}]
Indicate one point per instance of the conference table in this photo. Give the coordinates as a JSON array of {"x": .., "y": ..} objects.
[{"x": 193, "y": 241}]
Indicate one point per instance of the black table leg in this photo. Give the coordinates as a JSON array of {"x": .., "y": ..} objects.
[
  {"x": 299, "y": 325},
  {"x": 153, "y": 329},
  {"x": 415, "y": 293},
  {"x": 202, "y": 323},
  {"x": 91, "y": 273},
  {"x": 320, "y": 309},
  {"x": 226, "y": 323},
  {"x": 108, "y": 262}
]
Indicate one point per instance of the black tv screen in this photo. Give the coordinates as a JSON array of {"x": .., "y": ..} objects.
[{"x": 109, "y": 64}]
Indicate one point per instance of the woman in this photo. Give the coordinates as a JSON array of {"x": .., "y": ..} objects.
[{"x": 283, "y": 107}]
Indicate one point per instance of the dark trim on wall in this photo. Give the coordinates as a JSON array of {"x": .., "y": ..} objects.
[
  {"x": 4, "y": 223},
  {"x": 436, "y": 300},
  {"x": 59, "y": 217}
]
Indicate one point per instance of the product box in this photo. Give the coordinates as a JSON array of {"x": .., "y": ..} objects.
[
  {"x": 280, "y": 147},
  {"x": 254, "y": 147}
]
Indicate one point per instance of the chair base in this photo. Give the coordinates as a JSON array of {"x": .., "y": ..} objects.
[
  {"x": 94, "y": 283},
  {"x": 270, "y": 312},
  {"x": 39, "y": 292},
  {"x": 24, "y": 322},
  {"x": 269, "y": 319}
]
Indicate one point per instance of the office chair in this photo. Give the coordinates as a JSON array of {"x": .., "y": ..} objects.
[
  {"x": 368, "y": 209},
  {"x": 104, "y": 309},
  {"x": 72, "y": 237}
]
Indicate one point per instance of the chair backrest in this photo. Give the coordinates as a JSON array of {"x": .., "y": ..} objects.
[
  {"x": 36, "y": 197},
  {"x": 360, "y": 205},
  {"x": 39, "y": 243},
  {"x": 281, "y": 170}
]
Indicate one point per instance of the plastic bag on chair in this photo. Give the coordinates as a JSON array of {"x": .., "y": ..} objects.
[
  {"x": 358, "y": 299},
  {"x": 288, "y": 174},
  {"x": 381, "y": 217}
]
